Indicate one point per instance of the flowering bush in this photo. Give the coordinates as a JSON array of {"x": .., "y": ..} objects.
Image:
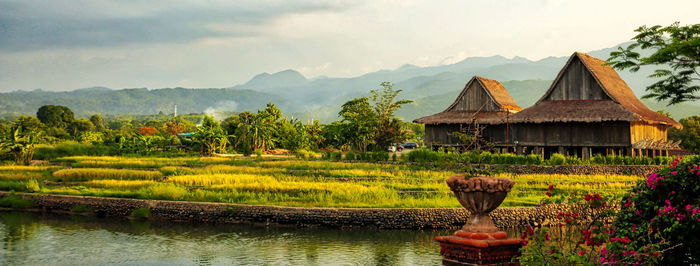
[
  {"x": 662, "y": 216},
  {"x": 658, "y": 223},
  {"x": 579, "y": 237}
]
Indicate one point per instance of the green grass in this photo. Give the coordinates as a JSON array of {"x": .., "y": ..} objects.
[
  {"x": 286, "y": 182},
  {"x": 17, "y": 202}
]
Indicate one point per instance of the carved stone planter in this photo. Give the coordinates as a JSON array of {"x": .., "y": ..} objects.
[{"x": 479, "y": 242}]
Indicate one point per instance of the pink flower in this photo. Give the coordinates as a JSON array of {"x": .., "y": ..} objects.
[
  {"x": 674, "y": 173},
  {"x": 582, "y": 252},
  {"x": 604, "y": 251}
]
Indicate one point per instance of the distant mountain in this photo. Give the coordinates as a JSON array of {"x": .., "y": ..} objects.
[
  {"x": 267, "y": 81},
  {"x": 139, "y": 101},
  {"x": 432, "y": 88},
  {"x": 97, "y": 88}
]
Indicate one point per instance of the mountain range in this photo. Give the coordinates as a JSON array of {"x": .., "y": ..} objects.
[{"x": 432, "y": 88}]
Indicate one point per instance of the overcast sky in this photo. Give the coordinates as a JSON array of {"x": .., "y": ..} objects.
[{"x": 64, "y": 45}]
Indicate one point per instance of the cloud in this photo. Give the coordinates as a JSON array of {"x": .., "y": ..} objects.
[{"x": 27, "y": 25}]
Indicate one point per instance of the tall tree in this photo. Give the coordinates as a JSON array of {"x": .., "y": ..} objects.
[
  {"x": 384, "y": 104},
  {"x": 689, "y": 135},
  {"x": 360, "y": 122},
  {"x": 675, "y": 50},
  {"x": 98, "y": 122},
  {"x": 55, "y": 115}
]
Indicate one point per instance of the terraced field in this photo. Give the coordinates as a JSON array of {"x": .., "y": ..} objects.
[{"x": 283, "y": 182}]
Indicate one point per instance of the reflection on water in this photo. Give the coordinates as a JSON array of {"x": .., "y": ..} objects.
[{"x": 40, "y": 239}]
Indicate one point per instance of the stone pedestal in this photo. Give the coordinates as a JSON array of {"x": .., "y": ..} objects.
[
  {"x": 479, "y": 242},
  {"x": 464, "y": 248}
]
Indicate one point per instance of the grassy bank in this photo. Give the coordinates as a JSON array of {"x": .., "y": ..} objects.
[{"x": 285, "y": 182}]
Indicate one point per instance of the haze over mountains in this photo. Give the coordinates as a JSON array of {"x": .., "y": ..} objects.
[{"x": 432, "y": 88}]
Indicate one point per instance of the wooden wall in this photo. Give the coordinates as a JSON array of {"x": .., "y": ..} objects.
[
  {"x": 640, "y": 130},
  {"x": 440, "y": 134},
  {"x": 576, "y": 83},
  {"x": 472, "y": 99},
  {"x": 605, "y": 134}
]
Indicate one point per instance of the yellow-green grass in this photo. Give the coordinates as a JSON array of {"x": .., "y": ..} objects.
[
  {"x": 143, "y": 162},
  {"x": 85, "y": 174},
  {"x": 18, "y": 175},
  {"x": 216, "y": 179},
  {"x": 16, "y": 168},
  {"x": 304, "y": 183},
  {"x": 120, "y": 184}
]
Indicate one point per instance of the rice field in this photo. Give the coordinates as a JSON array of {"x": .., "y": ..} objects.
[{"x": 282, "y": 182}]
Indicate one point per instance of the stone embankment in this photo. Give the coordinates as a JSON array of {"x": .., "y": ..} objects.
[
  {"x": 638, "y": 170},
  {"x": 200, "y": 212}
]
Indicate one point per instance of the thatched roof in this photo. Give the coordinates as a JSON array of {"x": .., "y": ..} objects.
[
  {"x": 628, "y": 108},
  {"x": 574, "y": 111},
  {"x": 497, "y": 95},
  {"x": 463, "y": 117}
]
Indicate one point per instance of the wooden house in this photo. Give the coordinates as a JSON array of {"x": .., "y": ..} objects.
[
  {"x": 483, "y": 103},
  {"x": 588, "y": 110}
]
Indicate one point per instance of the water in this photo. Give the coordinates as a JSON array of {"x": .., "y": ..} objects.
[{"x": 49, "y": 239}]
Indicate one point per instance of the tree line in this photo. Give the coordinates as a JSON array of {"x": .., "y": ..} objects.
[{"x": 365, "y": 124}]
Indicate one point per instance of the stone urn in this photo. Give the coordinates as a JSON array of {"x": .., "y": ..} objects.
[{"x": 479, "y": 242}]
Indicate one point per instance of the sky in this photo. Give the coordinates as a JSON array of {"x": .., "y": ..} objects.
[{"x": 70, "y": 44}]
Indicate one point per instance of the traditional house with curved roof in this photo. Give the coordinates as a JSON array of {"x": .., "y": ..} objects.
[
  {"x": 589, "y": 109},
  {"x": 483, "y": 103}
]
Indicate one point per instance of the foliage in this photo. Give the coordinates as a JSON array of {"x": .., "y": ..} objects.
[
  {"x": 21, "y": 144},
  {"x": 556, "y": 159},
  {"x": 578, "y": 240},
  {"x": 359, "y": 123},
  {"x": 78, "y": 126},
  {"x": 98, "y": 122},
  {"x": 349, "y": 156},
  {"x": 689, "y": 135},
  {"x": 55, "y": 115},
  {"x": 662, "y": 213},
  {"x": 429, "y": 156},
  {"x": 254, "y": 132},
  {"x": 146, "y": 131},
  {"x": 16, "y": 201},
  {"x": 211, "y": 137},
  {"x": 676, "y": 49},
  {"x": 389, "y": 128}
]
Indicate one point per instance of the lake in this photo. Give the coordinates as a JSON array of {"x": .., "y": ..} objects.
[{"x": 51, "y": 239}]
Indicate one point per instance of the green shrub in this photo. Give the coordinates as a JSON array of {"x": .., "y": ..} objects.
[
  {"x": 663, "y": 211},
  {"x": 379, "y": 156},
  {"x": 556, "y": 159},
  {"x": 573, "y": 160},
  {"x": 304, "y": 154},
  {"x": 51, "y": 152},
  {"x": 393, "y": 157},
  {"x": 141, "y": 213},
  {"x": 350, "y": 156},
  {"x": 534, "y": 159},
  {"x": 17, "y": 202},
  {"x": 336, "y": 156}
]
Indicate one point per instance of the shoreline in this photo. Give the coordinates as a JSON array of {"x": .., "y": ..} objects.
[{"x": 226, "y": 213}]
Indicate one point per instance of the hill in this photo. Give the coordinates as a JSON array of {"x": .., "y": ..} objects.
[{"x": 432, "y": 88}]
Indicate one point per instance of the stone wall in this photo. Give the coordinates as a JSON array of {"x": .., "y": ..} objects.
[
  {"x": 638, "y": 170},
  {"x": 387, "y": 218}
]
